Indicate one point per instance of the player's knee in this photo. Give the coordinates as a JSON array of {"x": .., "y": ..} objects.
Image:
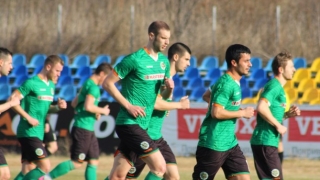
[
  {"x": 159, "y": 171},
  {"x": 5, "y": 176},
  {"x": 53, "y": 147},
  {"x": 45, "y": 167},
  {"x": 77, "y": 164}
]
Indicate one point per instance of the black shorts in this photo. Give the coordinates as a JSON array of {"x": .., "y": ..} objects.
[
  {"x": 3, "y": 161},
  {"x": 166, "y": 152},
  {"x": 32, "y": 149},
  {"x": 84, "y": 146},
  {"x": 135, "y": 142},
  {"x": 49, "y": 136},
  {"x": 267, "y": 161},
  {"x": 209, "y": 162}
]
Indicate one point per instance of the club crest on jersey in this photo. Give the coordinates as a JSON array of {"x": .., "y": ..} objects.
[
  {"x": 275, "y": 172},
  {"x": 204, "y": 175},
  {"x": 236, "y": 103},
  {"x": 162, "y": 65},
  {"x": 144, "y": 145},
  {"x": 82, "y": 156},
  {"x": 52, "y": 91},
  {"x": 132, "y": 170},
  {"x": 39, "y": 152}
]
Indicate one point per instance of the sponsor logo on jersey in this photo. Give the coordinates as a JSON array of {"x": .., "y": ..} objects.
[
  {"x": 52, "y": 91},
  {"x": 46, "y": 98},
  {"x": 236, "y": 103},
  {"x": 144, "y": 145},
  {"x": 162, "y": 65},
  {"x": 204, "y": 175},
  {"x": 275, "y": 172},
  {"x": 149, "y": 66},
  {"x": 154, "y": 77},
  {"x": 43, "y": 89}
]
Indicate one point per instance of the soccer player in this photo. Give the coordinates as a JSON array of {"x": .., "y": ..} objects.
[
  {"x": 5, "y": 68},
  {"x": 36, "y": 95},
  {"x": 141, "y": 73},
  {"x": 271, "y": 112},
  {"x": 179, "y": 55},
  {"x": 85, "y": 145},
  {"x": 218, "y": 145}
]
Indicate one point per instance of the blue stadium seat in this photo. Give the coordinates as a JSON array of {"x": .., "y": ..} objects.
[
  {"x": 300, "y": 62},
  {"x": 100, "y": 59},
  {"x": 80, "y": 61},
  {"x": 4, "y": 80},
  {"x": 193, "y": 61},
  {"x": 194, "y": 83},
  {"x": 197, "y": 93},
  {"x": 259, "y": 84},
  {"x": 82, "y": 80},
  {"x": 212, "y": 76},
  {"x": 256, "y": 63},
  {"x": 36, "y": 71},
  {"x": 209, "y": 62},
  {"x": 19, "y": 81},
  {"x": 65, "y": 59},
  {"x": 19, "y": 59},
  {"x": 119, "y": 59},
  {"x": 224, "y": 66},
  {"x": 67, "y": 92},
  {"x": 83, "y": 71},
  {"x": 178, "y": 92},
  {"x": 64, "y": 80},
  {"x": 190, "y": 73},
  {"x": 177, "y": 81},
  {"x": 244, "y": 83},
  {"x": 5, "y": 92},
  {"x": 257, "y": 74},
  {"x": 104, "y": 96},
  {"x": 269, "y": 65},
  {"x": 66, "y": 71},
  {"x": 246, "y": 92},
  {"x": 37, "y": 60},
  {"x": 18, "y": 71}
]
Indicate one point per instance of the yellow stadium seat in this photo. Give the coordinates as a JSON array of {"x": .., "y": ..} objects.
[
  {"x": 289, "y": 84},
  {"x": 317, "y": 78},
  {"x": 309, "y": 95},
  {"x": 253, "y": 100},
  {"x": 306, "y": 84},
  {"x": 291, "y": 94},
  {"x": 300, "y": 74},
  {"x": 315, "y": 102},
  {"x": 315, "y": 66}
]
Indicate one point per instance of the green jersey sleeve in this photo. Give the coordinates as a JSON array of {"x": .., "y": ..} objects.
[
  {"x": 270, "y": 93},
  {"x": 220, "y": 95},
  {"x": 26, "y": 88},
  {"x": 127, "y": 65},
  {"x": 94, "y": 91}
]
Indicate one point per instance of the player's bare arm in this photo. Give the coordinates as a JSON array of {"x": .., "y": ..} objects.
[
  {"x": 264, "y": 111},
  {"x": 218, "y": 112},
  {"x": 206, "y": 96},
  {"x": 10, "y": 103},
  {"x": 163, "y": 105},
  {"x": 109, "y": 86},
  {"x": 293, "y": 111},
  {"x": 90, "y": 107},
  {"x": 20, "y": 111},
  {"x": 168, "y": 88},
  {"x": 74, "y": 102},
  {"x": 62, "y": 104}
]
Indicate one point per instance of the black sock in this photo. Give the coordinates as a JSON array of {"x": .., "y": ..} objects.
[{"x": 281, "y": 156}]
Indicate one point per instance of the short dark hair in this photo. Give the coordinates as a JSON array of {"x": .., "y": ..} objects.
[
  {"x": 156, "y": 26},
  {"x": 103, "y": 67},
  {"x": 4, "y": 52},
  {"x": 280, "y": 60},
  {"x": 234, "y": 53},
  {"x": 178, "y": 48},
  {"x": 53, "y": 59}
]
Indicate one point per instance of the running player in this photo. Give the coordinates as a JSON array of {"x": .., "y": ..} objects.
[
  {"x": 37, "y": 95},
  {"x": 85, "y": 145},
  {"x": 179, "y": 55},
  {"x": 5, "y": 68},
  {"x": 271, "y": 112},
  {"x": 218, "y": 145},
  {"x": 141, "y": 74}
]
